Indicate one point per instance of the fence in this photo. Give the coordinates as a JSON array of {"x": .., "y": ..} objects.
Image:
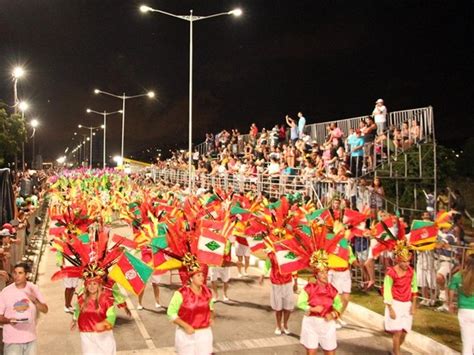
[{"x": 320, "y": 191}]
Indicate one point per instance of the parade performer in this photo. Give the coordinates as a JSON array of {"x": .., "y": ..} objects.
[
  {"x": 282, "y": 299},
  {"x": 340, "y": 278},
  {"x": 399, "y": 293},
  {"x": 191, "y": 309},
  {"x": 462, "y": 283},
  {"x": 312, "y": 246},
  {"x": 223, "y": 273}
]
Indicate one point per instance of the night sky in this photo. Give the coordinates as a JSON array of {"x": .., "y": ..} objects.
[{"x": 330, "y": 59}]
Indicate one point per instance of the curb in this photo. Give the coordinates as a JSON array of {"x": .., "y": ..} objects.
[{"x": 423, "y": 343}]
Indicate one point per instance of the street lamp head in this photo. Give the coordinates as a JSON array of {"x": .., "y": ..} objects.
[
  {"x": 88, "y": 139},
  {"x": 75, "y": 133},
  {"x": 79, "y": 126},
  {"x": 18, "y": 72},
  {"x": 23, "y": 106},
  {"x": 34, "y": 123},
  {"x": 236, "y": 12},
  {"x": 102, "y": 126},
  {"x": 93, "y": 134},
  {"x": 96, "y": 91},
  {"x": 88, "y": 110},
  {"x": 151, "y": 94},
  {"x": 144, "y": 9},
  {"x": 120, "y": 111}
]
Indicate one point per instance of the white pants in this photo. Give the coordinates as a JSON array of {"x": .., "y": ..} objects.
[
  {"x": 242, "y": 250},
  {"x": 317, "y": 331},
  {"x": 282, "y": 297},
  {"x": 466, "y": 322},
  {"x": 199, "y": 343},
  {"x": 341, "y": 280},
  {"x": 403, "y": 320},
  {"x": 71, "y": 282},
  {"x": 218, "y": 272},
  {"x": 102, "y": 343}
]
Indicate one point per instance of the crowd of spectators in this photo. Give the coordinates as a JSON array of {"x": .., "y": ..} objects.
[
  {"x": 288, "y": 149},
  {"x": 28, "y": 188},
  {"x": 288, "y": 155}
]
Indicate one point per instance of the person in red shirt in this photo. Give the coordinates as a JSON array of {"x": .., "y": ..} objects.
[
  {"x": 191, "y": 309},
  {"x": 95, "y": 317},
  {"x": 322, "y": 305},
  {"x": 399, "y": 294},
  {"x": 282, "y": 298}
]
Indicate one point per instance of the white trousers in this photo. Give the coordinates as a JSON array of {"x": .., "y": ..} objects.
[
  {"x": 199, "y": 343},
  {"x": 102, "y": 343},
  {"x": 466, "y": 322}
]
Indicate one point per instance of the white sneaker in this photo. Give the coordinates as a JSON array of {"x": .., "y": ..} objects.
[
  {"x": 245, "y": 274},
  {"x": 240, "y": 275},
  {"x": 158, "y": 306},
  {"x": 286, "y": 331},
  {"x": 277, "y": 331},
  {"x": 68, "y": 310},
  {"x": 338, "y": 325},
  {"x": 225, "y": 299},
  {"x": 442, "y": 295},
  {"x": 424, "y": 303},
  {"x": 443, "y": 308},
  {"x": 140, "y": 307}
]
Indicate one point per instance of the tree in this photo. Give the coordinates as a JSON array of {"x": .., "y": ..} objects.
[{"x": 12, "y": 135}]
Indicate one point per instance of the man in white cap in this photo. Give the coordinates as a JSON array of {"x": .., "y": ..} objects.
[{"x": 380, "y": 115}]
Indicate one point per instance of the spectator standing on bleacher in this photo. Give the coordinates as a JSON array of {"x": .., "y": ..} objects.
[
  {"x": 301, "y": 124},
  {"x": 380, "y": 116},
  {"x": 357, "y": 154},
  {"x": 293, "y": 129}
]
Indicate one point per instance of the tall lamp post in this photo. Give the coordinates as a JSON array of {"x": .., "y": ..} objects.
[
  {"x": 190, "y": 18},
  {"x": 124, "y": 97},
  {"x": 23, "y": 106},
  {"x": 17, "y": 73},
  {"x": 105, "y": 114},
  {"x": 34, "y": 123},
  {"x": 90, "y": 140}
]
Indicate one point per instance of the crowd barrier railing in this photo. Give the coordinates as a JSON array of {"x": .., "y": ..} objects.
[{"x": 318, "y": 131}]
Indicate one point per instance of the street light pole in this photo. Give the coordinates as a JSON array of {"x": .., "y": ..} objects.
[
  {"x": 191, "y": 18},
  {"x": 124, "y": 97},
  {"x": 104, "y": 127},
  {"x": 90, "y": 139}
]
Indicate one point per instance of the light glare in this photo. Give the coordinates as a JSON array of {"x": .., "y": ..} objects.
[
  {"x": 34, "y": 123},
  {"x": 151, "y": 94},
  {"x": 18, "y": 72},
  {"x": 236, "y": 12},
  {"x": 23, "y": 106},
  {"x": 144, "y": 9}
]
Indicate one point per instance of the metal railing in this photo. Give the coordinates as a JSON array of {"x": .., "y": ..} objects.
[{"x": 318, "y": 131}]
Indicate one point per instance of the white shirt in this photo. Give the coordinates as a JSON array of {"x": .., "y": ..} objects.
[{"x": 380, "y": 114}]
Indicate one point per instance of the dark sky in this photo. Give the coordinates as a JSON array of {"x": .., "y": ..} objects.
[{"x": 331, "y": 59}]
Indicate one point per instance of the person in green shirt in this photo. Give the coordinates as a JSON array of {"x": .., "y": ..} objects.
[{"x": 462, "y": 283}]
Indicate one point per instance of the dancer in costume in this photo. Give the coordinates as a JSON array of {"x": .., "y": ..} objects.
[
  {"x": 95, "y": 315},
  {"x": 191, "y": 309},
  {"x": 282, "y": 299},
  {"x": 223, "y": 273},
  {"x": 399, "y": 293},
  {"x": 322, "y": 304},
  {"x": 462, "y": 283},
  {"x": 340, "y": 278}
]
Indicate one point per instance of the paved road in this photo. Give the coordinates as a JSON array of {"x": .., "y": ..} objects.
[{"x": 245, "y": 325}]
